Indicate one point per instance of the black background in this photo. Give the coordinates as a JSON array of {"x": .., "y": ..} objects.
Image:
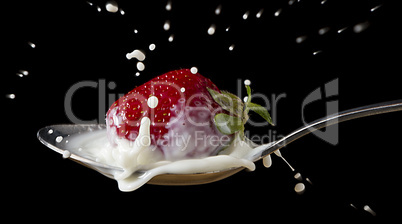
[{"x": 74, "y": 43}]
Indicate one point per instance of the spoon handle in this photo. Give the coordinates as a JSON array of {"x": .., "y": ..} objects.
[{"x": 364, "y": 111}]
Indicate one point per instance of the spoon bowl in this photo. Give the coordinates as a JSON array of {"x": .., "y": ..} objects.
[{"x": 53, "y": 137}]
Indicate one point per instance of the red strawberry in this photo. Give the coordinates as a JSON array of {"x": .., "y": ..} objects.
[{"x": 181, "y": 111}]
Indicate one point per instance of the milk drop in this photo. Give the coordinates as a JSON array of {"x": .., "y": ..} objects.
[
  {"x": 375, "y": 8},
  {"x": 342, "y": 29},
  {"x": 247, "y": 82},
  {"x": 369, "y": 210},
  {"x": 10, "y": 96},
  {"x": 231, "y": 47},
  {"x": 300, "y": 188},
  {"x": 278, "y": 12},
  {"x": 259, "y": 13},
  {"x": 267, "y": 161},
  {"x": 194, "y": 70},
  {"x": 298, "y": 176},
  {"x": 152, "y": 101},
  {"x": 111, "y": 6},
  {"x": 140, "y": 66},
  {"x": 317, "y": 52},
  {"x": 245, "y": 15},
  {"x": 218, "y": 10},
  {"x": 323, "y": 30},
  {"x": 66, "y": 154},
  {"x": 136, "y": 54},
  {"x": 168, "y": 6},
  {"x": 211, "y": 29},
  {"x": 171, "y": 37},
  {"x": 301, "y": 39},
  {"x": 166, "y": 26},
  {"x": 279, "y": 154},
  {"x": 31, "y": 44},
  {"x": 152, "y": 47},
  {"x": 360, "y": 27}
]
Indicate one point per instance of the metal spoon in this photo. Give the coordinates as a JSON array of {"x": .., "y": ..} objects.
[{"x": 52, "y": 136}]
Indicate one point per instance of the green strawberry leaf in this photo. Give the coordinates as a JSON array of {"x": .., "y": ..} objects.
[
  {"x": 261, "y": 111},
  {"x": 228, "y": 101},
  {"x": 227, "y": 124}
]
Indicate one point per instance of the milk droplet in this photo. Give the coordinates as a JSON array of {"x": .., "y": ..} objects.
[
  {"x": 50, "y": 131},
  {"x": 375, "y": 8},
  {"x": 171, "y": 37},
  {"x": 140, "y": 66},
  {"x": 111, "y": 6},
  {"x": 135, "y": 31},
  {"x": 317, "y": 52},
  {"x": 182, "y": 89},
  {"x": 136, "y": 54},
  {"x": 231, "y": 47},
  {"x": 22, "y": 73},
  {"x": 298, "y": 176},
  {"x": 245, "y": 15},
  {"x": 98, "y": 8},
  {"x": 247, "y": 82},
  {"x": 360, "y": 27},
  {"x": 267, "y": 161},
  {"x": 31, "y": 44},
  {"x": 278, "y": 12},
  {"x": 168, "y": 6},
  {"x": 259, "y": 13},
  {"x": 211, "y": 29},
  {"x": 300, "y": 188},
  {"x": 152, "y": 47},
  {"x": 137, "y": 74},
  {"x": 323, "y": 30},
  {"x": 66, "y": 154},
  {"x": 342, "y": 29},
  {"x": 369, "y": 210},
  {"x": 301, "y": 39},
  {"x": 245, "y": 99},
  {"x": 194, "y": 70},
  {"x": 166, "y": 26},
  {"x": 11, "y": 96},
  {"x": 122, "y": 12},
  {"x": 152, "y": 101},
  {"x": 218, "y": 10},
  {"x": 279, "y": 154}
]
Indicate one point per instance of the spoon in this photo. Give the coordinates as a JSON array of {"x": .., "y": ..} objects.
[{"x": 52, "y": 136}]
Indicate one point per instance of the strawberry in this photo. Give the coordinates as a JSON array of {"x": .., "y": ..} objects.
[
  {"x": 190, "y": 117},
  {"x": 181, "y": 111}
]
